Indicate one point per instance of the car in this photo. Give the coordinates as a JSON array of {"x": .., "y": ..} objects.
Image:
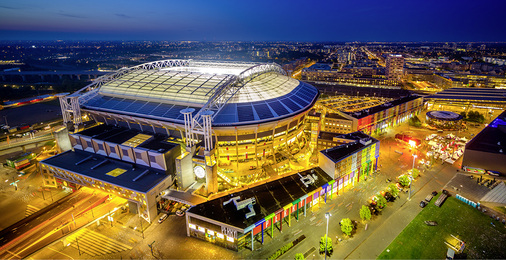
[
  {"x": 423, "y": 203},
  {"x": 162, "y": 218},
  {"x": 179, "y": 213},
  {"x": 434, "y": 193},
  {"x": 429, "y": 197}
]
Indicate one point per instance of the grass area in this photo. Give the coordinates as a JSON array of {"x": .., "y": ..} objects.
[
  {"x": 419, "y": 241},
  {"x": 501, "y": 209}
]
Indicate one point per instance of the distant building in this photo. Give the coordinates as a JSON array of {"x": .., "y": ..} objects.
[
  {"x": 395, "y": 67},
  {"x": 487, "y": 150},
  {"x": 372, "y": 120}
]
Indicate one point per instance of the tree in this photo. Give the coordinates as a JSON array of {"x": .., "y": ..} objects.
[
  {"x": 415, "y": 121},
  {"x": 393, "y": 189},
  {"x": 299, "y": 256},
  {"x": 415, "y": 173},
  {"x": 464, "y": 115},
  {"x": 404, "y": 180},
  {"x": 330, "y": 248},
  {"x": 381, "y": 202},
  {"x": 346, "y": 226},
  {"x": 365, "y": 213}
]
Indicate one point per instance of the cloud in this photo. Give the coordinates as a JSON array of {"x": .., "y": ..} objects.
[
  {"x": 9, "y": 7},
  {"x": 72, "y": 15},
  {"x": 123, "y": 16}
]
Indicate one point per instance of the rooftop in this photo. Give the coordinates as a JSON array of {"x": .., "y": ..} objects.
[
  {"x": 150, "y": 90},
  {"x": 342, "y": 151},
  {"x": 379, "y": 108},
  {"x": 492, "y": 138},
  {"x": 269, "y": 197},
  {"x": 81, "y": 163},
  {"x": 128, "y": 137},
  {"x": 480, "y": 94}
]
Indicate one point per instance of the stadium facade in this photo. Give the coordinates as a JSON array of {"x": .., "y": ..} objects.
[{"x": 223, "y": 124}]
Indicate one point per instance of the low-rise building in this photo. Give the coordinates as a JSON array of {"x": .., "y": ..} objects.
[
  {"x": 487, "y": 150},
  {"x": 353, "y": 160}
]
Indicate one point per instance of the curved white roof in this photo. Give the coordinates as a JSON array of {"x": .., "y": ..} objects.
[{"x": 246, "y": 91}]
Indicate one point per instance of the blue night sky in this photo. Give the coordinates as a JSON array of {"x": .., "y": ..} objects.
[{"x": 258, "y": 20}]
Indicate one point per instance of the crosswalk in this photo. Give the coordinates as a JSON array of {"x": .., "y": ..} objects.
[
  {"x": 95, "y": 244},
  {"x": 30, "y": 210}
]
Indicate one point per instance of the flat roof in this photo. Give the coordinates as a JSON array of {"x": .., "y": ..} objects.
[
  {"x": 69, "y": 159},
  {"x": 120, "y": 135},
  {"x": 385, "y": 106},
  {"x": 484, "y": 94},
  {"x": 329, "y": 136},
  {"x": 336, "y": 116},
  {"x": 492, "y": 138},
  {"x": 342, "y": 151},
  {"x": 269, "y": 197}
]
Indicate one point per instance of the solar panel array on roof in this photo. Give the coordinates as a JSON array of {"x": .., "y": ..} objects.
[
  {"x": 300, "y": 98},
  {"x": 245, "y": 113}
]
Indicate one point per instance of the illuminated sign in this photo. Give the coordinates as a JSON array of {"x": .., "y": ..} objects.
[
  {"x": 220, "y": 235},
  {"x": 193, "y": 226},
  {"x": 199, "y": 171},
  {"x": 210, "y": 232},
  {"x": 230, "y": 239},
  {"x": 201, "y": 229}
]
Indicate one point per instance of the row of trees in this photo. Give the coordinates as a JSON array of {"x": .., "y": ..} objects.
[
  {"x": 473, "y": 116},
  {"x": 380, "y": 202}
]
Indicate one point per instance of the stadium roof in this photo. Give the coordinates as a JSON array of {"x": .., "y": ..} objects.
[{"x": 244, "y": 92}]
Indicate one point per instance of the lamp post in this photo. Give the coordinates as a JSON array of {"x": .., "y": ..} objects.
[
  {"x": 411, "y": 176},
  {"x": 327, "y": 216}
]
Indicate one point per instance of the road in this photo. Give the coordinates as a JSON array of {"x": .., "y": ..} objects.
[{"x": 30, "y": 234}]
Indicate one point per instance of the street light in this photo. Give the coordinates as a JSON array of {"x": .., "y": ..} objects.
[
  {"x": 411, "y": 176},
  {"x": 327, "y": 216}
]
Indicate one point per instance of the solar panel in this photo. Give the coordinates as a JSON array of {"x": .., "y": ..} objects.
[
  {"x": 122, "y": 105},
  {"x": 111, "y": 103},
  {"x": 134, "y": 106},
  {"x": 245, "y": 113},
  {"x": 300, "y": 101},
  {"x": 278, "y": 108},
  {"x": 263, "y": 111},
  {"x": 294, "y": 107},
  {"x": 160, "y": 110},
  {"x": 148, "y": 107}
]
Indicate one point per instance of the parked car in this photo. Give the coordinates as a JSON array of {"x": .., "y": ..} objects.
[
  {"x": 434, "y": 193},
  {"x": 423, "y": 203},
  {"x": 162, "y": 218},
  {"x": 179, "y": 213}
]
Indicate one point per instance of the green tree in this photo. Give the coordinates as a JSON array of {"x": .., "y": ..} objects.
[
  {"x": 415, "y": 121},
  {"x": 415, "y": 173},
  {"x": 330, "y": 248},
  {"x": 393, "y": 189},
  {"x": 346, "y": 226},
  {"x": 404, "y": 180},
  {"x": 381, "y": 202},
  {"x": 464, "y": 115},
  {"x": 365, "y": 213},
  {"x": 299, "y": 256}
]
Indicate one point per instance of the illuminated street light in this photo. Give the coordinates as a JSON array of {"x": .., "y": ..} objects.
[{"x": 327, "y": 216}]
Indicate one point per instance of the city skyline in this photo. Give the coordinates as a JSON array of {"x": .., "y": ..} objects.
[{"x": 262, "y": 21}]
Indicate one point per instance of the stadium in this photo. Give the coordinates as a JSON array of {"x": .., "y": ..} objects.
[{"x": 236, "y": 122}]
